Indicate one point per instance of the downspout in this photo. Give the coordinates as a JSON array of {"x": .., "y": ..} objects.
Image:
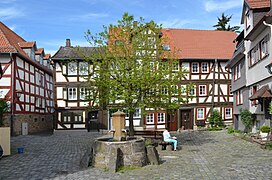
[
  {"x": 213, "y": 83},
  {"x": 269, "y": 66},
  {"x": 13, "y": 76}
]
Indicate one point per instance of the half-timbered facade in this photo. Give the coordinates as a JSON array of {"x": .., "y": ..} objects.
[
  {"x": 71, "y": 105},
  {"x": 26, "y": 83},
  {"x": 204, "y": 54},
  {"x": 254, "y": 68}
]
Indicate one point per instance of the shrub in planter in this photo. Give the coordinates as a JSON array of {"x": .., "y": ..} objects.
[
  {"x": 215, "y": 119},
  {"x": 265, "y": 129}
]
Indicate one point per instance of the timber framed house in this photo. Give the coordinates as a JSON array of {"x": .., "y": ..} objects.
[
  {"x": 26, "y": 83},
  {"x": 72, "y": 111}
]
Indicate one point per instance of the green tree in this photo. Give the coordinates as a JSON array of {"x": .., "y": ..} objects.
[
  {"x": 223, "y": 24},
  {"x": 134, "y": 69},
  {"x": 247, "y": 119},
  {"x": 216, "y": 119},
  {"x": 3, "y": 108}
]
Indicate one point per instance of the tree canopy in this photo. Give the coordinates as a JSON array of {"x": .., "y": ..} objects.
[
  {"x": 223, "y": 24},
  {"x": 135, "y": 68}
]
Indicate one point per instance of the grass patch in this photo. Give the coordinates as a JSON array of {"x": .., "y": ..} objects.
[
  {"x": 123, "y": 169},
  {"x": 268, "y": 146},
  {"x": 215, "y": 129}
]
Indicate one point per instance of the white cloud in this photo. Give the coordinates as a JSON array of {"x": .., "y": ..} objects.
[
  {"x": 13, "y": 27},
  {"x": 10, "y": 13},
  {"x": 212, "y": 5},
  {"x": 175, "y": 23},
  {"x": 7, "y": 1}
]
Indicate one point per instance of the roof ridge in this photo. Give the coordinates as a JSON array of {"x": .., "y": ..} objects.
[
  {"x": 208, "y": 30},
  {"x": 1, "y": 23}
]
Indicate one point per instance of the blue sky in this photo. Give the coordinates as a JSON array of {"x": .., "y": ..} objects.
[{"x": 50, "y": 22}]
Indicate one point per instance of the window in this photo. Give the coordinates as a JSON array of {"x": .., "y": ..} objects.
[
  {"x": 84, "y": 93},
  {"x": 200, "y": 113},
  {"x": 72, "y": 68},
  {"x": 83, "y": 68},
  {"x": 228, "y": 113},
  {"x": 247, "y": 19},
  {"x": 230, "y": 90},
  {"x": 239, "y": 97},
  {"x": 176, "y": 66},
  {"x": 175, "y": 90},
  {"x": 161, "y": 117},
  {"x": 192, "y": 91},
  {"x": 72, "y": 93},
  {"x": 237, "y": 71},
  {"x": 263, "y": 45},
  {"x": 202, "y": 90},
  {"x": 195, "y": 68},
  {"x": 204, "y": 67},
  {"x": 150, "y": 119},
  {"x": 164, "y": 90}
]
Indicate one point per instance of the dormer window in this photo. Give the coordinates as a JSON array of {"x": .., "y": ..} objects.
[
  {"x": 247, "y": 19},
  {"x": 166, "y": 47}
]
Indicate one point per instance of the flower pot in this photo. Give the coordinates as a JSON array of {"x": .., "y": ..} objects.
[
  {"x": 263, "y": 135},
  {"x": 5, "y": 140}
]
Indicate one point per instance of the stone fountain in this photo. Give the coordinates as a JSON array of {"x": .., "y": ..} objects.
[{"x": 112, "y": 153}]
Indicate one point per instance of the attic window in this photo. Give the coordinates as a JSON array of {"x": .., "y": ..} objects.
[{"x": 166, "y": 47}]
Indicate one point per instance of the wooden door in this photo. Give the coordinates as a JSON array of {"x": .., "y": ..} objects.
[
  {"x": 93, "y": 123},
  {"x": 186, "y": 119},
  {"x": 172, "y": 124}
]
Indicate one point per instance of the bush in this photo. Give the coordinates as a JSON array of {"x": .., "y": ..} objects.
[
  {"x": 230, "y": 131},
  {"x": 265, "y": 129},
  {"x": 3, "y": 108},
  {"x": 247, "y": 119},
  {"x": 215, "y": 119},
  {"x": 215, "y": 129}
]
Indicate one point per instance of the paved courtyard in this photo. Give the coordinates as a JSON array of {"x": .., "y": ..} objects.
[{"x": 204, "y": 155}]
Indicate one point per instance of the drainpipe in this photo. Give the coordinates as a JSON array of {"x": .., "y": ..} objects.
[
  {"x": 213, "y": 83},
  {"x": 269, "y": 66},
  {"x": 13, "y": 76}
]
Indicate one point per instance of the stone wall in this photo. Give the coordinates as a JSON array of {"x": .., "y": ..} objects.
[{"x": 36, "y": 123}]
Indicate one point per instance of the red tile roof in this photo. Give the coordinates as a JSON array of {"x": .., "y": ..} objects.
[
  {"x": 39, "y": 51},
  {"x": 47, "y": 56},
  {"x": 201, "y": 44},
  {"x": 257, "y": 4},
  {"x": 27, "y": 44}
]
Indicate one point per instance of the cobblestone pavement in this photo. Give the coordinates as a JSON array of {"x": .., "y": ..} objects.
[{"x": 204, "y": 155}]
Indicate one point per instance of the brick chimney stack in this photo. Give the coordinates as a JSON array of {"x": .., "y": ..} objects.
[{"x": 68, "y": 43}]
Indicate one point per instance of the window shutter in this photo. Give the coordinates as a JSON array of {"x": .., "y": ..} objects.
[
  {"x": 64, "y": 69},
  {"x": 64, "y": 93}
]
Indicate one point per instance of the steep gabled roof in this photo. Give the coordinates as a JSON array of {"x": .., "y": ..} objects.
[
  {"x": 39, "y": 51},
  {"x": 201, "y": 44},
  {"x": 258, "y": 4},
  {"x": 73, "y": 52},
  {"x": 27, "y": 44}
]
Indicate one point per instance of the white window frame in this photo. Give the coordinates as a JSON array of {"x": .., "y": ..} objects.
[
  {"x": 228, "y": 115},
  {"x": 263, "y": 47},
  {"x": 83, "y": 92},
  {"x": 200, "y": 90},
  {"x": 206, "y": 66},
  {"x": 150, "y": 118},
  {"x": 161, "y": 118},
  {"x": 72, "y": 93},
  {"x": 72, "y": 72},
  {"x": 176, "y": 66},
  {"x": 202, "y": 117},
  {"x": 195, "y": 67},
  {"x": 83, "y": 68}
]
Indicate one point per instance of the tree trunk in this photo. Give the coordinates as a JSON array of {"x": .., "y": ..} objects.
[{"x": 131, "y": 126}]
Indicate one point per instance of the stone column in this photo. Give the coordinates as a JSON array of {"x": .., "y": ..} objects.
[{"x": 118, "y": 123}]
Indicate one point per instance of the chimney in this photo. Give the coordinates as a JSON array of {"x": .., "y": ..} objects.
[{"x": 68, "y": 43}]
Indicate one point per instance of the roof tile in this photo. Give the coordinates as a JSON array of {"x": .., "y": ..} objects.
[{"x": 257, "y": 4}]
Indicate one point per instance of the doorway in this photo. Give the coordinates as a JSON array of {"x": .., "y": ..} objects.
[
  {"x": 186, "y": 119},
  {"x": 93, "y": 123}
]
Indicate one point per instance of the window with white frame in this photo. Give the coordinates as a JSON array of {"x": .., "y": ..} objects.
[
  {"x": 230, "y": 90},
  {"x": 202, "y": 90},
  {"x": 72, "y": 68},
  {"x": 175, "y": 66},
  {"x": 72, "y": 93},
  {"x": 84, "y": 93},
  {"x": 192, "y": 91},
  {"x": 83, "y": 68},
  {"x": 228, "y": 113},
  {"x": 161, "y": 117},
  {"x": 247, "y": 19},
  {"x": 237, "y": 71},
  {"x": 150, "y": 118},
  {"x": 195, "y": 68},
  {"x": 239, "y": 97},
  {"x": 164, "y": 90},
  {"x": 204, "y": 67},
  {"x": 263, "y": 45},
  {"x": 200, "y": 113}
]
